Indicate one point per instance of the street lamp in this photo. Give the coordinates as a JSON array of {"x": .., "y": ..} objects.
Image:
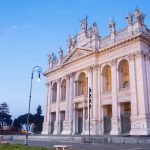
[{"x": 38, "y": 70}]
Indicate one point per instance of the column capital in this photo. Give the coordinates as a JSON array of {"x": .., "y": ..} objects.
[
  {"x": 59, "y": 80},
  {"x": 72, "y": 74},
  {"x": 131, "y": 56},
  {"x": 139, "y": 54},
  {"x": 113, "y": 62},
  {"x": 89, "y": 68},
  {"x": 67, "y": 76},
  {"x": 95, "y": 66},
  {"x": 49, "y": 83}
]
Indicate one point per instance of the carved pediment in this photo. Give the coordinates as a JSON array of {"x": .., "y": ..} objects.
[{"x": 76, "y": 54}]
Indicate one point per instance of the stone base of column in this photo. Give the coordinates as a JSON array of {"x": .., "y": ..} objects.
[
  {"x": 95, "y": 127},
  {"x": 115, "y": 130},
  {"x": 67, "y": 128},
  {"x": 140, "y": 125},
  {"x": 56, "y": 128},
  {"x": 46, "y": 128}
]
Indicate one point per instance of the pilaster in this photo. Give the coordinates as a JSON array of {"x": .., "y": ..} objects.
[
  {"x": 95, "y": 119},
  {"x": 142, "y": 124},
  {"x": 57, "y": 123},
  {"x": 115, "y": 116},
  {"x": 70, "y": 101},
  {"x": 46, "y": 124},
  {"x": 66, "y": 123},
  {"x": 133, "y": 91}
]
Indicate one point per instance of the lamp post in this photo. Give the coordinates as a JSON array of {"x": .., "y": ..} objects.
[
  {"x": 90, "y": 103},
  {"x": 38, "y": 70}
]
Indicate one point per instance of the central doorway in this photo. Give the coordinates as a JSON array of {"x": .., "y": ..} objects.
[
  {"x": 62, "y": 118},
  {"x": 107, "y": 118},
  {"x": 80, "y": 121},
  {"x": 125, "y": 118},
  {"x": 53, "y": 118}
]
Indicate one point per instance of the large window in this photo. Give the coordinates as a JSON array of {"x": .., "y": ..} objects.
[
  {"x": 54, "y": 92},
  {"x": 107, "y": 79},
  {"x": 124, "y": 74},
  {"x": 63, "y": 90},
  {"x": 82, "y": 85}
]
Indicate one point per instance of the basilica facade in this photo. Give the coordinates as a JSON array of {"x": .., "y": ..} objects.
[{"x": 115, "y": 67}]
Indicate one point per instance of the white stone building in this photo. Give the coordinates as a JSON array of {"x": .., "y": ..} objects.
[{"x": 116, "y": 68}]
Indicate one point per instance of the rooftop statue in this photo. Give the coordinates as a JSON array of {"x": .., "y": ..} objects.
[
  {"x": 139, "y": 16},
  {"x": 95, "y": 28},
  {"x": 84, "y": 24},
  {"x": 60, "y": 52},
  {"x": 112, "y": 25},
  {"x": 129, "y": 18},
  {"x": 51, "y": 57},
  {"x": 74, "y": 41}
]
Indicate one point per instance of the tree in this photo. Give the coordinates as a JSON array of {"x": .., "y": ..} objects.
[
  {"x": 38, "y": 120},
  {"x": 39, "y": 110},
  {"x": 22, "y": 120},
  {"x": 5, "y": 117}
]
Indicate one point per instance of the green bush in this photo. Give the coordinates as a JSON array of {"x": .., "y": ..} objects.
[{"x": 20, "y": 147}]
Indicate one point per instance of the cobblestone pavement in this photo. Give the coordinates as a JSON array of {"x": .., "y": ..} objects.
[{"x": 82, "y": 146}]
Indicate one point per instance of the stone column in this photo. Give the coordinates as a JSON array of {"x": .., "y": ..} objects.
[
  {"x": 142, "y": 125},
  {"x": 57, "y": 123},
  {"x": 74, "y": 120},
  {"x": 95, "y": 123},
  {"x": 133, "y": 91},
  {"x": 83, "y": 132},
  {"x": 67, "y": 98},
  {"x": 71, "y": 101},
  {"x": 66, "y": 123},
  {"x": 47, "y": 114},
  {"x": 100, "y": 109},
  {"x": 148, "y": 77},
  {"x": 115, "y": 115}
]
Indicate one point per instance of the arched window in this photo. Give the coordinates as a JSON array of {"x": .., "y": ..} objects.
[
  {"x": 82, "y": 84},
  {"x": 63, "y": 90},
  {"x": 107, "y": 79},
  {"x": 124, "y": 74},
  {"x": 54, "y": 92}
]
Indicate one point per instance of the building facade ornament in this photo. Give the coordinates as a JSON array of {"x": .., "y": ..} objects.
[
  {"x": 112, "y": 25},
  {"x": 60, "y": 53},
  {"x": 139, "y": 16},
  {"x": 129, "y": 19},
  {"x": 131, "y": 56}
]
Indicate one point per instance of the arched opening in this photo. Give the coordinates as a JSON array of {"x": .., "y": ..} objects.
[
  {"x": 107, "y": 79},
  {"x": 63, "y": 90},
  {"x": 54, "y": 92},
  {"x": 82, "y": 84},
  {"x": 124, "y": 74}
]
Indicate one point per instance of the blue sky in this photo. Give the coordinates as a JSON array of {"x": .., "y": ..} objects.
[{"x": 31, "y": 29}]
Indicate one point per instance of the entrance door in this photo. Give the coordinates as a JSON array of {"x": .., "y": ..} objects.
[
  {"x": 125, "y": 117},
  {"x": 125, "y": 124},
  {"x": 107, "y": 110},
  {"x": 52, "y": 126},
  {"x": 107, "y": 124},
  {"x": 53, "y": 118},
  {"x": 62, "y": 118},
  {"x": 80, "y": 121}
]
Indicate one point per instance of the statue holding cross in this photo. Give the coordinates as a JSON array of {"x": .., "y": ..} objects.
[{"x": 84, "y": 24}]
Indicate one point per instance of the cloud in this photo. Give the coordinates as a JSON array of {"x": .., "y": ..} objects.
[
  {"x": 11, "y": 29},
  {"x": 27, "y": 27},
  {"x": 14, "y": 28}
]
